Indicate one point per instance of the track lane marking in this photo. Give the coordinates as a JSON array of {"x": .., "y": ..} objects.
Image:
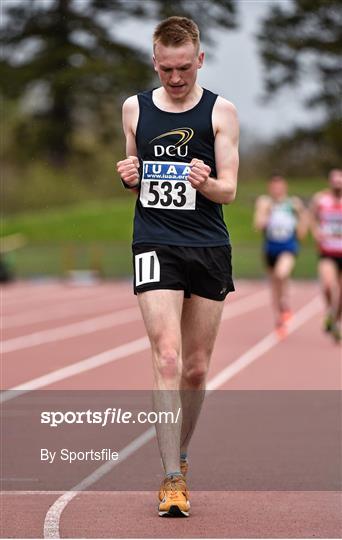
[
  {"x": 52, "y": 518},
  {"x": 72, "y": 330},
  {"x": 43, "y": 295},
  {"x": 34, "y": 290},
  {"x": 28, "y": 492},
  {"x": 264, "y": 345},
  {"x": 103, "y": 322},
  {"x": 64, "y": 310},
  {"x": 240, "y": 307},
  {"x": 122, "y": 351},
  {"x": 51, "y": 522}
]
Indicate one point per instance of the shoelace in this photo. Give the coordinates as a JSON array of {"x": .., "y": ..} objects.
[{"x": 174, "y": 487}]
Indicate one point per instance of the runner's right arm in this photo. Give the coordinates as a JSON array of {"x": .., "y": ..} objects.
[
  {"x": 129, "y": 167},
  {"x": 314, "y": 223},
  {"x": 262, "y": 212}
]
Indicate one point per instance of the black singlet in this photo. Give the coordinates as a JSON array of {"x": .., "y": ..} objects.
[{"x": 168, "y": 210}]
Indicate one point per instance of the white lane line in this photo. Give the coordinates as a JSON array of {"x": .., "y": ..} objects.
[
  {"x": 67, "y": 309},
  {"x": 16, "y": 291},
  {"x": 31, "y": 292},
  {"x": 68, "y": 331},
  {"x": 235, "y": 309},
  {"x": 28, "y": 492},
  {"x": 47, "y": 295},
  {"x": 107, "y": 321},
  {"x": 245, "y": 305},
  {"x": 51, "y": 522},
  {"x": 92, "y": 362},
  {"x": 56, "y": 492},
  {"x": 264, "y": 345},
  {"x": 52, "y": 518},
  {"x": 63, "y": 310}
]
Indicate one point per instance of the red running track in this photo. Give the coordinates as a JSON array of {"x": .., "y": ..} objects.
[{"x": 54, "y": 337}]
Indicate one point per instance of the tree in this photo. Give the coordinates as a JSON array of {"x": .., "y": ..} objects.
[
  {"x": 300, "y": 40},
  {"x": 67, "y": 52}
]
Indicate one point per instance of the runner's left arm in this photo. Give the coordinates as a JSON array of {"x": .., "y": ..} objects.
[
  {"x": 302, "y": 217},
  {"x": 226, "y": 128}
]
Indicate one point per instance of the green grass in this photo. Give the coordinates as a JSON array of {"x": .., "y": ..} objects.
[
  {"x": 87, "y": 222},
  {"x": 98, "y": 234},
  {"x": 110, "y": 259}
]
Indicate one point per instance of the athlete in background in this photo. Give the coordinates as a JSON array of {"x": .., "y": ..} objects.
[
  {"x": 326, "y": 225},
  {"x": 283, "y": 221},
  {"x": 182, "y": 148}
]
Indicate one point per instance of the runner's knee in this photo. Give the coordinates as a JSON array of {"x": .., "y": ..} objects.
[
  {"x": 195, "y": 371},
  {"x": 167, "y": 361},
  {"x": 329, "y": 289},
  {"x": 277, "y": 276}
]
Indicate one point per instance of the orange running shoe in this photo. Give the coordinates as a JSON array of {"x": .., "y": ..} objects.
[
  {"x": 286, "y": 316},
  {"x": 174, "y": 497}
]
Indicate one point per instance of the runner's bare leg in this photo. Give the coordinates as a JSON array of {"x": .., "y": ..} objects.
[
  {"x": 161, "y": 310},
  {"x": 280, "y": 282},
  {"x": 200, "y": 323},
  {"x": 331, "y": 286}
]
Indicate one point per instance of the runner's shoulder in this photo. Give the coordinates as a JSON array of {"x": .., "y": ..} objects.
[
  {"x": 263, "y": 200},
  {"x": 297, "y": 202},
  {"x": 225, "y": 118},
  {"x": 316, "y": 201},
  {"x": 130, "y": 114},
  {"x": 222, "y": 105},
  {"x": 130, "y": 105},
  {"x": 316, "y": 198}
]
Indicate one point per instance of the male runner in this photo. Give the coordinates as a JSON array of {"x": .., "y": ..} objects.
[
  {"x": 182, "y": 148},
  {"x": 282, "y": 219},
  {"x": 326, "y": 223}
]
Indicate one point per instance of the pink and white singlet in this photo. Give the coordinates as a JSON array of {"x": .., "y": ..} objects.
[{"x": 330, "y": 225}]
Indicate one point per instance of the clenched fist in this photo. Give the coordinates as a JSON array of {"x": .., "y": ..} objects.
[
  {"x": 128, "y": 170},
  {"x": 199, "y": 173}
]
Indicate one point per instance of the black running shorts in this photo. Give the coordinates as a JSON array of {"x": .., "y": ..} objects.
[
  {"x": 271, "y": 259},
  {"x": 204, "y": 271}
]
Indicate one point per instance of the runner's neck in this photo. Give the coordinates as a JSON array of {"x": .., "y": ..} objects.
[
  {"x": 165, "y": 102},
  {"x": 279, "y": 200}
]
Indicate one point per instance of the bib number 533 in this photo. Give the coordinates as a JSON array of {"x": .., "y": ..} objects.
[
  {"x": 167, "y": 194},
  {"x": 165, "y": 186}
]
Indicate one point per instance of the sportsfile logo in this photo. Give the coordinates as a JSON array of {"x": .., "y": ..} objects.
[
  {"x": 111, "y": 415},
  {"x": 177, "y": 149}
]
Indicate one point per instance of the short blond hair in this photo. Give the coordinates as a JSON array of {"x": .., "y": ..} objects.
[{"x": 175, "y": 31}]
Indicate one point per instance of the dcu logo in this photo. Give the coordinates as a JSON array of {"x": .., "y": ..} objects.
[{"x": 177, "y": 149}]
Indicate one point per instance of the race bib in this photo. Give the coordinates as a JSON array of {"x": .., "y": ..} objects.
[
  {"x": 281, "y": 226},
  {"x": 164, "y": 185},
  {"x": 332, "y": 226},
  {"x": 147, "y": 268},
  {"x": 331, "y": 232}
]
